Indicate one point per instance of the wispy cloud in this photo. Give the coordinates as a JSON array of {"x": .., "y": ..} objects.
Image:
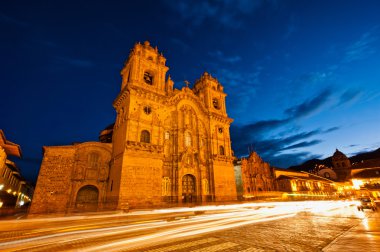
[
  {"x": 76, "y": 62},
  {"x": 272, "y": 149},
  {"x": 219, "y": 55},
  {"x": 232, "y": 80},
  {"x": 361, "y": 48},
  {"x": 302, "y": 144},
  {"x": 225, "y": 12},
  {"x": 12, "y": 20},
  {"x": 256, "y": 134},
  {"x": 309, "y": 106},
  {"x": 180, "y": 43},
  {"x": 290, "y": 28},
  {"x": 348, "y": 96}
]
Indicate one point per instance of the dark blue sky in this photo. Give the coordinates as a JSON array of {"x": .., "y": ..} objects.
[{"x": 302, "y": 77}]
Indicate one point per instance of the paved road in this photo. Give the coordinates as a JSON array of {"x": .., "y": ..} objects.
[{"x": 288, "y": 226}]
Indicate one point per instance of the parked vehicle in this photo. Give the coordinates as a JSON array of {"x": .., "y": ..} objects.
[{"x": 366, "y": 203}]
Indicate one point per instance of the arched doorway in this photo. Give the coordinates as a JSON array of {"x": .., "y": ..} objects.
[
  {"x": 188, "y": 189},
  {"x": 87, "y": 199}
]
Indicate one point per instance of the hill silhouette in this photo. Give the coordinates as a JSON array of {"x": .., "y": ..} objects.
[{"x": 310, "y": 164}]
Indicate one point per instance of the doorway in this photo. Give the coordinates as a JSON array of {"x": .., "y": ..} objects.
[{"x": 188, "y": 189}]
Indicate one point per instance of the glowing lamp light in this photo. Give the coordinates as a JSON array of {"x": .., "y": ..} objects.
[
  {"x": 21, "y": 203},
  {"x": 1, "y": 204},
  {"x": 9, "y": 190},
  {"x": 1, "y": 187},
  {"x": 357, "y": 183}
]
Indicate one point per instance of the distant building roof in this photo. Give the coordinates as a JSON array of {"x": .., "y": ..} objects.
[
  {"x": 10, "y": 148},
  {"x": 369, "y": 163},
  {"x": 367, "y": 173}
]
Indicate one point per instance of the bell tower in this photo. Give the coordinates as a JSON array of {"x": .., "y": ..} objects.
[
  {"x": 211, "y": 93},
  {"x": 145, "y": 68}
]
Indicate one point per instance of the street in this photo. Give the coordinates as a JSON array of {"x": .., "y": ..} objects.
[{"x": 264, "y": 226}]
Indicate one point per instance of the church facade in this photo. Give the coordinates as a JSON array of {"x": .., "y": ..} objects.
[{"x": 167, "y": 146}]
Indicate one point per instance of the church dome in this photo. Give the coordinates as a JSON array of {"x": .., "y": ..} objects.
[
  {"x": 105, "y": 136},
  {"x": 338, "y": 155}
]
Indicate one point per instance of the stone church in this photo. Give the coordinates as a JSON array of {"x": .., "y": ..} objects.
[{"x": 167, "y": 147}]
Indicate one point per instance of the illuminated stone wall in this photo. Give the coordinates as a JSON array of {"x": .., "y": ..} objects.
[
  {"x": 67, "y": 169},
  {"x": 53, "y": 185}
]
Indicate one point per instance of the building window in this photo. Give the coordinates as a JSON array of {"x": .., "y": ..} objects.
[
  {"x": 167, "y": 135},
  {"x": 187, "y": 139},
  {"x": 343, "y": 164},
  {"x": 166, "y": 186},
  {"x": 145, "y": 136},
  {"x": 147, "y": 110},
  {"x": 111, "y": 185},
  {"x": 206, "y": 186},
  {"x": 148, "y": 78},
  {"x": 93, "y": 159},
  {"x": 221, "y": 150},
  {"x": 220, "y": 130},
  {"x": 327, "y": 175},
  {"x": 215, "y": 103}
]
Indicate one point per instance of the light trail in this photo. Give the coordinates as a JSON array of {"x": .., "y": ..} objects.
[{"x": 139, "y": 234}]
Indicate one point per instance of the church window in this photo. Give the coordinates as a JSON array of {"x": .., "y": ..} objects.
[
  {"x": 206, "y": 186},
  {"x": 147, "y": 110},
  {"x": 220, "y": 130},
  {"x": 148, "y": 78},
  {"x": 187, "y": 139},
  {"x": 248, "y": 189},
  {"x": 221, "y": 150},
  {"x": 167, "y": 135},
  {"x": 343, "y": 164},
  {"x": 215, "y": 103},
  {"x": 93, "y": 159},
  {"x": 145, "y": 136},
  {"x": 166, "y": 186}
]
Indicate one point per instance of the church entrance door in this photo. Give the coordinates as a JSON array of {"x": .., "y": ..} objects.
[
  {"x": 87, "y": 199},
  {"x": 188, "y": 189}
]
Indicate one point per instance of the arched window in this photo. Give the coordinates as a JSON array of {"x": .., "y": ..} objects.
[
  {"x": 221, "y": 150},
  {"x": 145, "y": 136},
  {"x": 167, "y": 135},
  {"x": 187, "y": 139},
  {"x": 148, "y": 78},
  {"x": 93, "y": 160}
]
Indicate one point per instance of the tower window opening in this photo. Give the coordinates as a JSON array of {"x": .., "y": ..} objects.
[
  {"x": 145, "y": 136},
  {"x": 147, "y": 110},
  {"x": 221, "y": 150},
  {"x": 148, "y": 78}
]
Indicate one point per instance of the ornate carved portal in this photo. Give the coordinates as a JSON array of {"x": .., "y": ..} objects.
[
  {"x": 188, "y": 189},
  {"x": 87, "y": 199}
]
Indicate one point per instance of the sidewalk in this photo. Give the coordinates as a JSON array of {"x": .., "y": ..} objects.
[{"x": 363, "y": 237}]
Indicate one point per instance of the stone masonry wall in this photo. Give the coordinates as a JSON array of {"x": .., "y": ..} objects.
[{"x": 53, "y": 184}]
